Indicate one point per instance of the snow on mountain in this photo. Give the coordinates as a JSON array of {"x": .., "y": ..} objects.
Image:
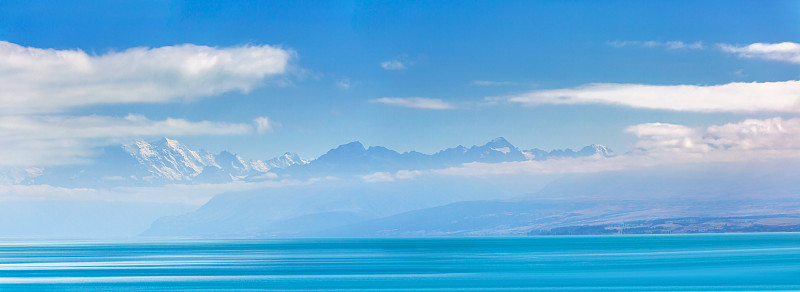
[
  {"x": 354, "y": 158},
  {"x": 497, "y": 150},
  {"x": 283, "y": 161},
  {"x": 591, "y": 150},
  {"x": 164, "y": 161},
  {"x": 500, "y": 150},
  {"x": 595, "y": 149},
  {"x": 168, "y": 161}
]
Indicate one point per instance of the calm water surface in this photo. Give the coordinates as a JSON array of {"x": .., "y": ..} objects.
[{"x": 709, "y": 262}]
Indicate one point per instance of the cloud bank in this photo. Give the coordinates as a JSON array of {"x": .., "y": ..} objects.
[
  {"x": 35, "y": 80},
  {"x": 784, "y": 52},
  {"x": 736, "y": 97},
  {"x": 54, "y": 140},
  {"x": 663, "y": 144},
  {"x": 752, "y": 134},
  {"x": 415, "y": 102}
]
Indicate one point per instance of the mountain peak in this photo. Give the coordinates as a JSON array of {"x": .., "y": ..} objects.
[
  {"x": 168, "y": 143},
  {"x": 499, "y": 142},
  {"x": 354, "y": 146},
  {"x": 595, "y": 149},
  {"x": 226, "y": 153},
  {"x": 284, "y": 161}
]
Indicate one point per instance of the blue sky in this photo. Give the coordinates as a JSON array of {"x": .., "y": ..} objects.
[{"x": 346, "y": 56}]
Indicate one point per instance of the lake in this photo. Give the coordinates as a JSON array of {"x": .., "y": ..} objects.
[{"x": 702, "y": 262}]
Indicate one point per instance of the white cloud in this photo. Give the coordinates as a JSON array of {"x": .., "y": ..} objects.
[
  {"x": 666, "y": 144},
  {"x": 672, "y": 45},
  {"x": 552, "y": 166},
  {"x": 739, "y": 73},
  {"x": 665, "y": 136},
  {"x": 737, "y": 97},
  {"x": 389, "y": 177},
  {"x": 636, "y": 160},
  {"x": 265, "y": 125},
  {"x": 37, "y": 80},
  {"x": 378, "y": 177},
  {"x": 775, "y": 134},
  {"x": 393, "y": 65},
  {"x": 784, "y": 52},
  {"x": 53, "y": 140},
  {"x": 415, "y": 102},
  {"x": 345, "y": 83}
]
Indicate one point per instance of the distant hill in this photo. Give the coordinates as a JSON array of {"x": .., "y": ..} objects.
[
  {"x": 775, "y": 223},
  {"x": 438, "y": 207}
]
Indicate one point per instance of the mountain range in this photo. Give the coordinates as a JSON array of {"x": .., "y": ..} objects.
[
  {"x": 169, "y": 161},
  {"x": 163, "y": 161},
  {"x": 354, "y": 158}
]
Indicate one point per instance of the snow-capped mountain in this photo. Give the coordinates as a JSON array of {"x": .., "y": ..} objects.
[
  {"x": 594, "y": 149},
  {"x": 280, "y": 162},
  {"x": 354, "y": 158},
  {"x": 171, "y": 160},
  {"x": 497, "y": 150},
  {"x": 168, "y": 161},
  {"x": 163, "y": 161}
]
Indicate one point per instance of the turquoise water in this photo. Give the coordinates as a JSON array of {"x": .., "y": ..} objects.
[{"x": 708, "y": 262}]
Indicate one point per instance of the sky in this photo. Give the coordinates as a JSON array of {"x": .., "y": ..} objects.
[{"x": 259, "y": 78}]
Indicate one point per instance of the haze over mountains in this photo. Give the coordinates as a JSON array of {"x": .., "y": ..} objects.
[
  {"x": 441, "y": 206},
  {"x": 358, "y": 191}
]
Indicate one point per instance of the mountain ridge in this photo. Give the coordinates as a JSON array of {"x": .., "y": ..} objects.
[
  {"x": 168, "y": 161},
  {"x": 355, "y": 158}
]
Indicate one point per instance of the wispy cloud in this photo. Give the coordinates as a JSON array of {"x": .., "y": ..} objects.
[
  {"x": 737, "y": 97},
  {"x": 53, "y": 140},
  {"x": 35, "y": 80},
  {"x": 492, "y": 83},
  {"x": 415, "y": 102},
  {"x": 672, "y": 45},
  {"x": 345, "y": 83},
  {"x": 265, "y": 124},
  {"x": 390, "y": 177},
  {"x": 784, "y": 52},
  {"x": 393, "y": 65}
]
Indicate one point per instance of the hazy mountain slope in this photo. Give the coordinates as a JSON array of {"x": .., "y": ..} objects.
[
  {"x": 410, "y": 208},
  {"x": 688, "y": 191},
  {"x": 271, "y": 212},
  {"x": 80, "y": 219}
]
